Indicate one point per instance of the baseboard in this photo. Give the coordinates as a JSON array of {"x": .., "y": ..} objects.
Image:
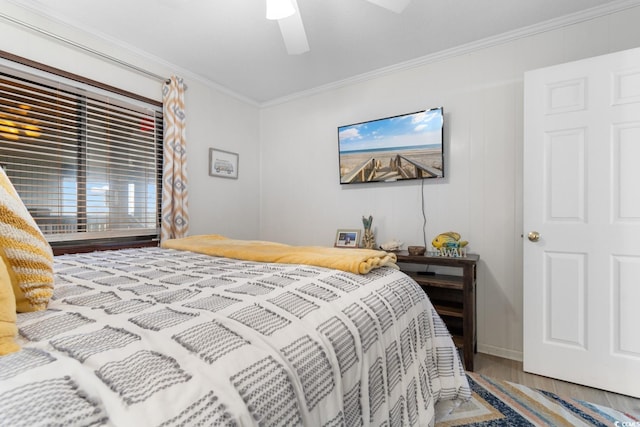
[{"x": 500, "y": 352}]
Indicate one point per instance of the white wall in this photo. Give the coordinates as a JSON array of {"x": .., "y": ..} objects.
[
  {"x": 482, "y": 95},
  {"x": 217, "y": 205},
  {"x": 214, "y": 119}
]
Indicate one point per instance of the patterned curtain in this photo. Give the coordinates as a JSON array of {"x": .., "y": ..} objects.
[{"x": 175, "y": 215}]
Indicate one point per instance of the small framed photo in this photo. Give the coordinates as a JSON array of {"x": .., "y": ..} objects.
[
  {"x": 223, "y": 163},
  {"x": 347, "y": 239}
]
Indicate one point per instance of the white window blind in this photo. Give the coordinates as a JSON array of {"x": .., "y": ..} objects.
[{"x": 86, "y": 164}]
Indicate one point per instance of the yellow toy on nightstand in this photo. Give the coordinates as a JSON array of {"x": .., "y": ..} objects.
[{"x": 449, "y": 244}]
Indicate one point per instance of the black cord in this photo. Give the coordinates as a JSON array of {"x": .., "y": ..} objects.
[
  {"x": 424, "y": 229},
  {"x": 424, "y": 215}
]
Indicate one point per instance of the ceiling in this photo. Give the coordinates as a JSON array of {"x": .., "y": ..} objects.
[{"x": 230, "y": 43}]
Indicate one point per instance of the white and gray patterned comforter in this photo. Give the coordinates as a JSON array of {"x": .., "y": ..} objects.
[{"x": 159, "y": 337}]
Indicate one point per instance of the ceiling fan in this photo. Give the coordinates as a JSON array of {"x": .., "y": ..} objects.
[{"x": 287, "y": 14}]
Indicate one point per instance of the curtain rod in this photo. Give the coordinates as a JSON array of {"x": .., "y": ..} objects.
[{"x": 85, "y": 48}]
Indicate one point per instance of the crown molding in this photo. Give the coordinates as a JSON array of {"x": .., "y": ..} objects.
[
  {"x": 550, "y": 25},
  {"x": 103, "y": 38}
]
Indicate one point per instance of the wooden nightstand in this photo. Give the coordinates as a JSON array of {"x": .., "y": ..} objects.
[{"x": 453, "y": 297}]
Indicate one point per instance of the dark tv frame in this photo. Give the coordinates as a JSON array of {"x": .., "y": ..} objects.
[{"x": 385, "y": 157}]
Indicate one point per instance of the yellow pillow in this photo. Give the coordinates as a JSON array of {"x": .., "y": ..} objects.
[
  {"x": 26, "y": 253},
  {"x": 8, "y": 329}
]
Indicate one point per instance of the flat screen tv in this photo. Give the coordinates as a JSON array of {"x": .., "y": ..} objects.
[{"x": 398, "y": 148}]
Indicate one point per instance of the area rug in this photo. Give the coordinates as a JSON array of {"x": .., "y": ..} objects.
[{"x": 502, "y": 403}]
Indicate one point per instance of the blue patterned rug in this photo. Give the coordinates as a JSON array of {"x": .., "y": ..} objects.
[{"x": 502, "y": 403}]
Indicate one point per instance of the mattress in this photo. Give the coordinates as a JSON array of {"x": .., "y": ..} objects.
[{"x": 161, "y": 337}]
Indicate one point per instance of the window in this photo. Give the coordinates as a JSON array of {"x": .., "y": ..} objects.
[{"x": 86, "y": 162}]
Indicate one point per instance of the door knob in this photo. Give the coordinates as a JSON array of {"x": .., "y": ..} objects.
[{"x": 533, "y": 236}]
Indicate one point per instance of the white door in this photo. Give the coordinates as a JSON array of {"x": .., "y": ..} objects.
[{"x": 582, "y": 195}]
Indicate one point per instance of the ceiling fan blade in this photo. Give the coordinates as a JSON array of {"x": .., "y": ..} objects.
[
  {"x": 396, "y": 6},
  {"x": 292, "y": 29}
]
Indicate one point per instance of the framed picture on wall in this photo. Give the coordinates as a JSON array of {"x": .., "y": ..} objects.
[
  {"x": 347, "y": 239},
  {"x": 223, "y": 163}
]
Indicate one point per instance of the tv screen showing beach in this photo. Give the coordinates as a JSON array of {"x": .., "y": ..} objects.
[{"x": 408, "y": 146}]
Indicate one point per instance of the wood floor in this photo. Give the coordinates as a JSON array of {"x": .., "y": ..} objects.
[{"x": 511, "y": 370}]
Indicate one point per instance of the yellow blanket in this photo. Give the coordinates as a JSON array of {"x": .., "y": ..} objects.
[{"x": 358, "y": 261}]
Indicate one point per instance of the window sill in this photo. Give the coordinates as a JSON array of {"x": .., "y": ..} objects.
[{"x": 83, "y": 247}]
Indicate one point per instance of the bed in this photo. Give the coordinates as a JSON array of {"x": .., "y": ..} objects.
[
  {"x": 212, "y": 331},
  {"x": 167, "y": 337}
]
